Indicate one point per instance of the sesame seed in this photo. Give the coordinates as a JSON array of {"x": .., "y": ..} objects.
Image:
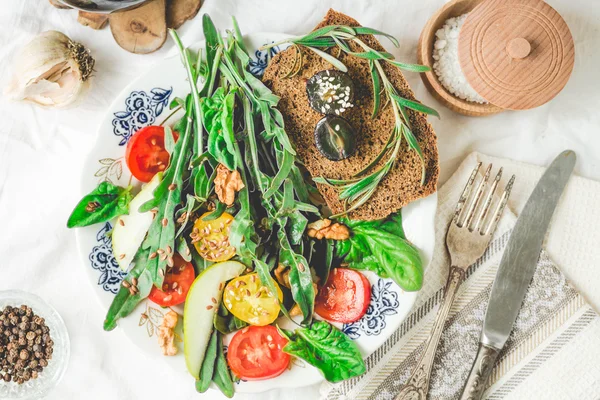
[
  {"x": 121, "y": 222},
  {"x": 161, "y": 272},
  {"x": 175, "y": 284},
  {"x": 170, "y": 261},
  {"x": 134, "y": 281},
  {"x": 168, "y": 298},
  {"x": 172, "y": 187},
  {"x": 301, "y": 267},
  {"x": 209, "y": 307},
  {"x": 121, "y": 256},
  {"x": 152, "y": 256},
  {"x": 126, "y": 284},
  {"x": 248, "y": 294},
  {"x": 169, "y": 249},
  {"x": 253, "y": 278},
  {"x": 163, "y": 257},
  {"x": 165, "y": 222},
  {"x": 213, "y": 300},
  {"x": 269, "y": 338},
  {"x": 160, "y": 251}
]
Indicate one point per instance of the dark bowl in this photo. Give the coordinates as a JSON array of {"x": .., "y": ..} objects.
[{"x": 103, "y": 6}]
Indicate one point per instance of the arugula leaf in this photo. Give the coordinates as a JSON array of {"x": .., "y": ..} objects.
[
  {"x": 125, "y": 302},
  {"x": 381, "y": 247},
  {"x": 221, "y": 376},
  {"x": 167, "y": 196},
  {"x": 208, "y": 365},
  {"x": 328, "y": 349},
  {"x": 104, "y": 203},
  {"x": 301, "y": 281}
]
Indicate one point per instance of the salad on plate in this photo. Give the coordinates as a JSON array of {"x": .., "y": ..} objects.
[{"x": 225, "y": 228}]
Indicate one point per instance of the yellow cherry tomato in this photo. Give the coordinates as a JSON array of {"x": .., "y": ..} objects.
[
  {"x": 246, "y": 298},
  {"x": 211, "y": 238}
]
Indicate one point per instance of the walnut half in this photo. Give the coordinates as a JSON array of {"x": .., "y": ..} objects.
[
  {"x": 227, "y": 183},
  {"x": 325, "y": 229},
  {"x": 166, "y": 334}
]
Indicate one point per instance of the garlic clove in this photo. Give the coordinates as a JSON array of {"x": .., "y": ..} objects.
[{"x": 51, "y": 71}]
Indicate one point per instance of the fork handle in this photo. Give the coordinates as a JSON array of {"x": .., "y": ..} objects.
[
  {"x": 417, "y": 386},
  {"x": 480, "y": 372}
]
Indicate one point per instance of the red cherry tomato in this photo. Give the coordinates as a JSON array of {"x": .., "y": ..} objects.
[
  {"x": 345, "y": 296},
  {"x": 146, "y": 154},
  {"x": 176, "y": 284},
  {"x": 256, "y": 353}
]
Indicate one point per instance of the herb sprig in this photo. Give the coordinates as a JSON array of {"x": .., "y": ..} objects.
[{"x": 356, "y": 191}]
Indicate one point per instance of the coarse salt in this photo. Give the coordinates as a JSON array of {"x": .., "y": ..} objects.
[{"x": 447, "y": 64}]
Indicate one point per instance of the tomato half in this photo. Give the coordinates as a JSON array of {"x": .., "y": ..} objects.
[
  {"x": 250, "y": 301},
  {"x": 146, "y": 154},
  {"x": 256, "y": 353},
  {"x": 345, "y": 296},
  {"x": 211, "y": 238},
  {"x": 176, "y": 284}
]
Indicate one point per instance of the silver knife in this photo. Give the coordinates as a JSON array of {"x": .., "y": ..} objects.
[{"x": 516, "y": 270}]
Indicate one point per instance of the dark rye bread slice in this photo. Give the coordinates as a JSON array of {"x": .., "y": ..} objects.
[{"x": 403, "y": 184}]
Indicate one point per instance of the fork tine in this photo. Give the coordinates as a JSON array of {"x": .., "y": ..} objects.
[
  {"x": 475, "y": 202},
  {"x": 488, "y": 202},
  {"x": 500, "y": 208},
  {"x": 465, "y": 194}
]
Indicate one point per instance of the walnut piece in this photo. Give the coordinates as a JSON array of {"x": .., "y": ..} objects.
[
  {"x": 325, "y": 229},
  {"x": 282, "y": 274},
  {"x": 227, "y": 183},
  {"x": 166, "y": 334}
]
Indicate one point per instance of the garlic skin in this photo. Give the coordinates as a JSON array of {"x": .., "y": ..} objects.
[{"x": 51, "y": 71}]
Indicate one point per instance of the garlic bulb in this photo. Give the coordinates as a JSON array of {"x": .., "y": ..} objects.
[{"x": 51, "y": 71}]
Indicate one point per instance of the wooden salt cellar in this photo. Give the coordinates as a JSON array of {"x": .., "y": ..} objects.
[{"x": 517, "y": 54}]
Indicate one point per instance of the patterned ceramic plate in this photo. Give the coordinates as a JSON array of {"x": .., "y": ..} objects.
[{"x": 145, "y": 102}]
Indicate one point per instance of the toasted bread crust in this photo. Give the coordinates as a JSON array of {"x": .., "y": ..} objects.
[{"x": 403, "y": 183}]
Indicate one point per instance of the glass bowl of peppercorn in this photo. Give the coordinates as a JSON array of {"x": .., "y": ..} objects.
[{"x": 34, "y": 346}]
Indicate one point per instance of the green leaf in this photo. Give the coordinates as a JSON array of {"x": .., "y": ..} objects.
[
  {"x": 376, "y": 89},
  {"x": 221, "y": 376},
  {"x": 125, "y": 302},
  {"x": 414, "y": 105},
  {"x": 330, "y": 59},
  {"x": 238, "y": 35},
  {"x": 410, "y": 67},
  {"x": 363, "y": 30},
  {"x": 285, "y": 166},
  {"x": 217, "y": 212},
  {"x": 102, "y": 204},
  {"x": 327, "y": 349},
  {"x": 208, "y": 365},
  {"x": 380, "y": 246},
  {"x": 301, "y": 281}
]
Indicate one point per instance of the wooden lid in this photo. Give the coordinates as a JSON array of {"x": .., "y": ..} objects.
[{"x": 517, "y": 54}]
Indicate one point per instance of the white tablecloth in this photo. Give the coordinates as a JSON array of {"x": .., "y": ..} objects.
[{"x": 41, "y": 152}]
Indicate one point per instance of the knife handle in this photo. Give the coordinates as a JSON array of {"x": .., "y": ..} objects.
[{"x": 480, "y": 372}]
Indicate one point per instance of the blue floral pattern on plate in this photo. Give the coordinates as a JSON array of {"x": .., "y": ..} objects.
[
  {"x": 141, "y": 109},
  {"x": 384, "y": 302},
  {"x": 261, "y": 59},
  {"x": 103, "y": 260}
]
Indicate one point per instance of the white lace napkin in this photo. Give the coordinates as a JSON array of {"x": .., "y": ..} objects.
[{"x": 553, "y": 350}]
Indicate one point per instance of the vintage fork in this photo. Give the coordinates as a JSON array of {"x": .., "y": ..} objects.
[{"x": 467, "y": 239}]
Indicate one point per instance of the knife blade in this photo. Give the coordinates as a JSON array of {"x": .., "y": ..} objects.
[{"x": 516, "y": 269}]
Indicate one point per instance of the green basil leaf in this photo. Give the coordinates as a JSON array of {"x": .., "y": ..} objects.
[
  {"x": 327, "y": 349},
  {"x": 104, "y": 203},
  {"x": 381, "y": 247}
]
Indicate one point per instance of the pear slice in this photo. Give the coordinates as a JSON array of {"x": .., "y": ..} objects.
[
  {"x": 200, "y": 306},
  {"x": 130, "y": 230}
]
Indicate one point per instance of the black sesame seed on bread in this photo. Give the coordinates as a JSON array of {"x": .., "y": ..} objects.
[{"x": 403, "y": 184}]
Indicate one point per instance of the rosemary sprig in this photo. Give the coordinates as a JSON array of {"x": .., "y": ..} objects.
[{"x": 358, "y": 190}]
